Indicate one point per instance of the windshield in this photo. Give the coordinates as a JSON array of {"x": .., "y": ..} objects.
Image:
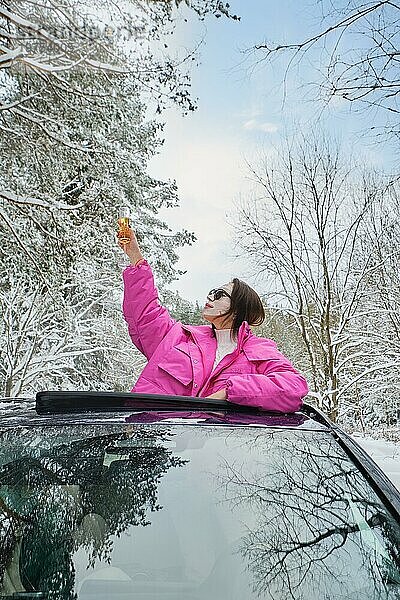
[{"x": 194, "y": 513}]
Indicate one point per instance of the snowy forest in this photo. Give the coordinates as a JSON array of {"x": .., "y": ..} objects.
[{"x": 84, "y": 86}]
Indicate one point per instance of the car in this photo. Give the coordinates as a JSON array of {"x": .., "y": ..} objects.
[{"x": 117, "y": 496}]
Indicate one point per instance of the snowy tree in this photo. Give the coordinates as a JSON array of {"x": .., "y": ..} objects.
[
  {"x": 50, "y": 342},
  {"x": 282, "y": 328},
  {"x": 52, "y": 39},
  {"x": 182, "y": 310},
  {"x": 378, "y": 370},
  {"x": 302, "y": 232},
  {"x": 355, "y": 50},
  {"x": 67, "y": 247},
  {"x": 73, "y": 74},
  {"x": 80, "y": 183},
  {"x": 76, "y": 140}
]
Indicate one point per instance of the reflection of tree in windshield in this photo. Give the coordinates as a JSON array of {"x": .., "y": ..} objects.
[
  {"x": 321, "y": 531},
  {"x": 50, "y": 497}
]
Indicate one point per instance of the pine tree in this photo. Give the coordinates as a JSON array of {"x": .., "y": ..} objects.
[{"x": 76, "y": 143}]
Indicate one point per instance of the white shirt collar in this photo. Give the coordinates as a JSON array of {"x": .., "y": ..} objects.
[{"x": 224, "y": 337}]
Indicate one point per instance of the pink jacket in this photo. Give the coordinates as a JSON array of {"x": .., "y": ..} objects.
[{"x": 181, "y": 357}]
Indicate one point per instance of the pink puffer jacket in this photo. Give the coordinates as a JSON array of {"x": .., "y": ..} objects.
[{"x": 181, "y": 357}]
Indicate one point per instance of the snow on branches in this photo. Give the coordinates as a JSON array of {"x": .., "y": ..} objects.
[
  {"x": 78, "y": 81},
  {"x": 326, "y": 236}
]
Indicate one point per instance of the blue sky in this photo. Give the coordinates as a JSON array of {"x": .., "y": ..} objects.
[{"x": 240, "y": 116}]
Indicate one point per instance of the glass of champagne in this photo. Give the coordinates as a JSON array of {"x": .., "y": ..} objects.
[
  {"x": 124, "y": 230},
  {"x": 124, "y": 224}
]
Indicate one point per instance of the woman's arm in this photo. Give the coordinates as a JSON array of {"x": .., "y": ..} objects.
[
  {"x": 277, "y": 386},
  {"x": 132, "y": 249},
  {"x": 148, "y": 321},
  {"x": 280, "y": 390}
]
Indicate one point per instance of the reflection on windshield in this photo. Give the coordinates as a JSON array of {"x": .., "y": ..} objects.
[
  {"x": 195, "y": 513},
  {"x": 320, "y": 531},
  {"x": 78, "y": 494}
]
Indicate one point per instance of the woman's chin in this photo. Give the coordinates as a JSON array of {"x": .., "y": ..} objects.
[{"x": 207, "y": 317}]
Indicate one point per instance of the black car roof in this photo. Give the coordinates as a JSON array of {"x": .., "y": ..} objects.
[{"x": 55, "y": 408}]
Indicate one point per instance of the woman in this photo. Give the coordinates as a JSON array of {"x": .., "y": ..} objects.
[{"x": 225, "y": 361}]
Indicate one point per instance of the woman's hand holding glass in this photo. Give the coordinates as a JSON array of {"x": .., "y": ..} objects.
[{"x": 131, "y": 248}]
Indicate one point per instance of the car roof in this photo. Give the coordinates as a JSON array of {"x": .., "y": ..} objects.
[{"x": 58, "y": 408}]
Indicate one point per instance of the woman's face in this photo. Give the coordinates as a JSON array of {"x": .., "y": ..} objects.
[{"x": 217, "y": 304}]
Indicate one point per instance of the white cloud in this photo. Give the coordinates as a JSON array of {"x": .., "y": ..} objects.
[
  {"x": 250, "y": 113},
  {"x": 255, "y": 125}
]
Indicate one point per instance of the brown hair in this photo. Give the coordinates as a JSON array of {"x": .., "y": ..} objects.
[{"x": 246, "y": 305}]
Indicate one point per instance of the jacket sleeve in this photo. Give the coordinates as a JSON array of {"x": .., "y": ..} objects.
[
  {"x": 278, "y": 387},
  {"x": 148, "y": 321}
]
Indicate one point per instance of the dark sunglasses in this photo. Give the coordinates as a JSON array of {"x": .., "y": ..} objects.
[{"x": 218, "y": 294}]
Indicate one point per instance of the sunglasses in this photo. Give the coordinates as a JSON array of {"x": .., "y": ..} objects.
[{"x": 217, "y": 294}]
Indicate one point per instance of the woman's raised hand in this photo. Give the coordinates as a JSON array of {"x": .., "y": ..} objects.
[{"x": 131, "y": 248}]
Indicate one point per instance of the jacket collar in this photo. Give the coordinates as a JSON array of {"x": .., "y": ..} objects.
[{"x": 199, "y": 331}]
